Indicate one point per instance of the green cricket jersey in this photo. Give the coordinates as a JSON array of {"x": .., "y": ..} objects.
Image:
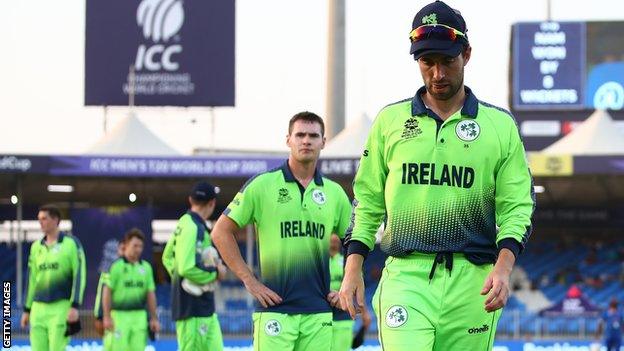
[
  {"x": 460, "y": 185},
  {"x": 57, "y": 272},
  {"x": 182, "y": 259},
  {"x": 336, "y": 273},
  {"x": 293, "y": 226},
  {"x": 129, "y": 284},
  {"x": 98, "y": 312}
]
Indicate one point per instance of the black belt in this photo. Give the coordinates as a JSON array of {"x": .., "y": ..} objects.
[{"x": 447, "y": 257}]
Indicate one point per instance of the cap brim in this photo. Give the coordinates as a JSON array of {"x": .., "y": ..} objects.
[{"x": 433, "y": 46}]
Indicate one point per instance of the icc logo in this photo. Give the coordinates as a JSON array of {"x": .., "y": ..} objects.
[{"x": 160, "y": 20}]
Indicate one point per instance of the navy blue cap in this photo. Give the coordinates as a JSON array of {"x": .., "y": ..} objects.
[
  {"x": 204, "y": 191},
  {"x": 439, "y": 13}
]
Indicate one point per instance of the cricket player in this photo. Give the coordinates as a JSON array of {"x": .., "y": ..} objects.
[
  {"x": 194, "y": 267},
  {"x": 295, "y": 209},
  {"x": 56, "y": 283},
  {"x": 98, "y": 312},
  {"x": 128, "y": 289},
  {"x": 449, "y": 176}
]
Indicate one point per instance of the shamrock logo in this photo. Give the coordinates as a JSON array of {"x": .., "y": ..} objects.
[
  {"x": 396, "y": 316},
  {"x": 273, "y": 327},
  {"x": 467, "y": 130}
]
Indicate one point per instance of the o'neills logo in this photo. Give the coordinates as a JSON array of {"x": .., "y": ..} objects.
[
  {"x": 15, "y": 164},
  {"x": 479, "y": 330}
]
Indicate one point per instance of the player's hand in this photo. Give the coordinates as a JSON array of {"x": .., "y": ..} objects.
[
  {"x": 108, "y": 323},
  {"x": 262, "y": 293},
  {"x": 25, "y": 319},
  {"x": 497, "y": 288},
  {"x": 221, "y": 270},
  {"x": 366, "y": 318},
  {"x": 154, "y": 325},
  {"x": 72, "y": 315},
  {"x": 352, "y": 287},
  {"x": 334, "y": 299},
  {"x": 99, "y": 327}
]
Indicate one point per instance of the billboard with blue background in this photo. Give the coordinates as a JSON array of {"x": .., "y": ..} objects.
[{"x": 567, "y": 65}]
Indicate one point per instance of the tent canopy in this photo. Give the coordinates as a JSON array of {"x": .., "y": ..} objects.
[
  {"x": 130, "y": 137},
  {"x": 349, "y": 143},
  {"x": 598, "y": 135}
]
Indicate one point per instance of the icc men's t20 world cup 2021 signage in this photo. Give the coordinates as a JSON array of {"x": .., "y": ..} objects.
[{"x": 163, "y": 52}]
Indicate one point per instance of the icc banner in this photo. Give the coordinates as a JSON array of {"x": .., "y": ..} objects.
[{"x": 182, "y": 52}]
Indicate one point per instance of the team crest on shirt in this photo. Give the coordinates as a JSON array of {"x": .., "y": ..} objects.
[
  {"x": 203, "y": 329},
  {"x": 319, "y": 196},
  {"x": 396, "y": 316},
  {"x": 141, "y": 270},
  {"x": 283, "y": 196},
  {"x": 467, "y": 130},
  {"x": 411, "y": 129},
  {"x": 273, "y": 327}
]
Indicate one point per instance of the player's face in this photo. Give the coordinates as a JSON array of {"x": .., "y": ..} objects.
[
  {"x": 334, "y": 245},
  {"x": 133, "y": 249},
  {"x": 443, "y": 75},
  {"x": 48, "y": 224},
  {"x": 305, "y": 141}
]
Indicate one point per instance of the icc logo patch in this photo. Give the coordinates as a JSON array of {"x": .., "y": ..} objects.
[
  {"x": 283, "y": 196},
  {"x": 467, "y": 130},
  {"x": 273, "y": 328},
  {"x": 396, "y": 316},
  {"x": 319, "y": 196}
]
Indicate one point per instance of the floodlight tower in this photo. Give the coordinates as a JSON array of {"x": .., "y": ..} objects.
[{"x": 335, "y": 99}]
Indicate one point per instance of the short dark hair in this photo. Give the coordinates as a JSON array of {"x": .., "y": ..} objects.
[
  {"x": 308, "y": 117},
  {"x": 52, "y": 211},
  {"x": 134, "y": 233}
]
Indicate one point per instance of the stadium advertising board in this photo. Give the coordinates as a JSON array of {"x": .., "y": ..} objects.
[
  {"x": 159, "y": 166},
  {"x": 181, "y": 52},
  {"x": 560, "y": 73},
  {"x": 548, "y": 65},
  {"x": 245, "y": 345}
]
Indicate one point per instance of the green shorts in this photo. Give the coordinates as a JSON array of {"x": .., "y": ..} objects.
[
  {"x": 129, "y": 332},
  {"x": 342, "y": 337},
  {"x": 48, "y": 322},
  {"x": 292, "y": 332},
  {"x": 199, "y": 333},
  {"x": 446, "y": 313}
]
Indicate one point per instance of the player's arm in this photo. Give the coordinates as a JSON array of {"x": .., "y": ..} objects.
[
  {"x": 106, "y": 308},
  {"x": 109, "y": 285},
  {"x": 79, "y": 274},
  {"x": 238, "y": 214},
  {"x": 154, "y": 325},
  {"x": 79, "y": 277},
  {"x": 515, "y": 201},
  {"x": 368, "y": 211},
  {"x": 97, "y": 307},
  {"x": 168, "y": 257},
  {"x": 30, "y": 288},
  {"x": 190, "y": 265}
]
